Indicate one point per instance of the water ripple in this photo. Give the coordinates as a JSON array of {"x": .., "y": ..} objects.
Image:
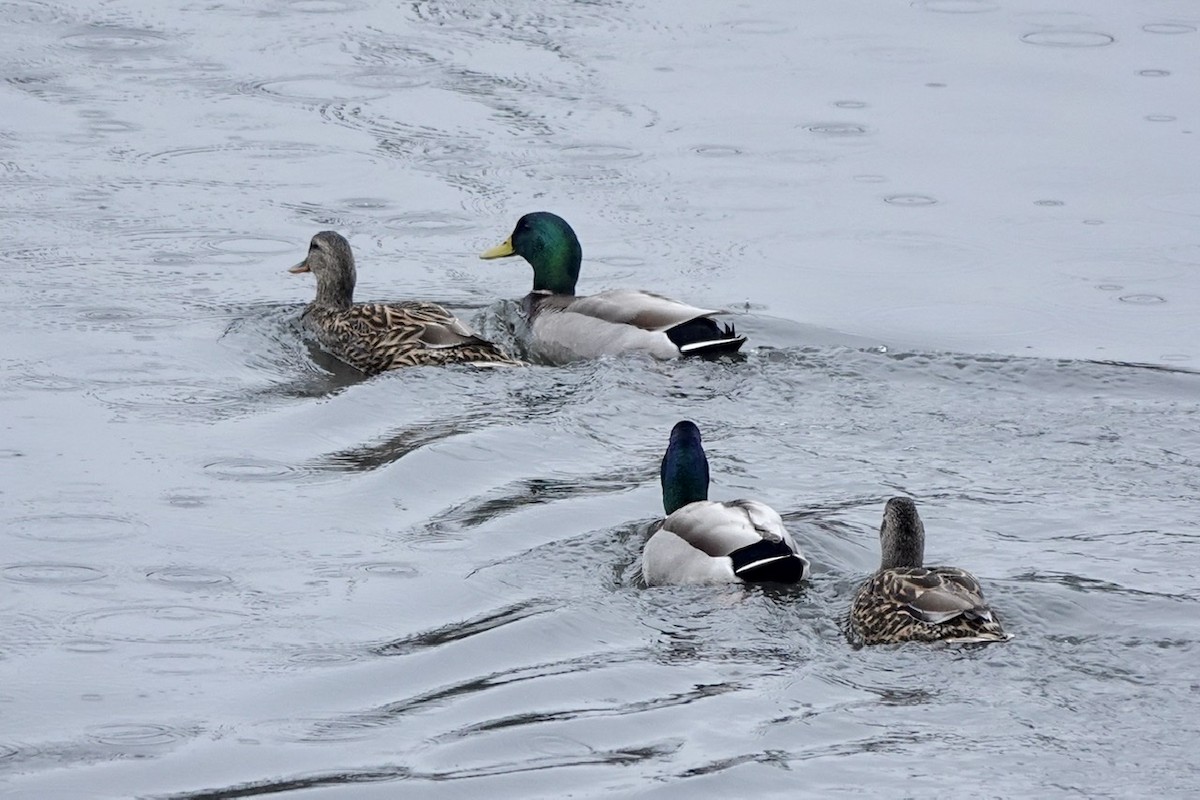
[
  {"x": 432, "y": 223},
  {"x": 463, "y": 630},
  {"x": 716, "y": 150},
  {"x": 390, "y": 569},
  {"x": 599, "y": 153},
  {"x": 1067, "y": 38},
  {"x": 838, "y": 129},
  {"x": 24, "y": 12},
  {"x": 166, "y": 399},
  {"x": 532, "y": 492},
  {"x": 176, "y": 663},
  {"x": 326, "y": 655},
  {"x": 366, "y": 458},
  {"x": 1169, "y": 28},
  {"x": 53, "y": 574},
  {"x": 310, "y": 89},
  {"x": 150, "y": 623},
  {"x": 395, "y": 712},
  {"x": 253, "y": 469},
  {"x": 134, "y": 737},
  {"x": 115, "y": 40},
  {"x": 910, "y": 200},
  {"x": 619, "y": 757},
  {"x": 66, "y": 527},
  {"x": 620, "y": 709},
  {"x": 957, "y": 6},
  {"x": 265, "y": 150},
  {"x": 1083, "y": 584},
  {"x": 23, "y": 634},
  {"x": 188, "y": 578},
  {"x": 325, "y": 6},
  {"x": 763, "y": 27}
]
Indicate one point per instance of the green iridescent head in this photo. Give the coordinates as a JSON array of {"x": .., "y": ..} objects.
[{"x": 547, "y": 242}]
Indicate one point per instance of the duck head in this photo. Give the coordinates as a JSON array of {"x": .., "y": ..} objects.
[
  {"x": 331, "y": 261},
  {"x": 547, "y": 242}
]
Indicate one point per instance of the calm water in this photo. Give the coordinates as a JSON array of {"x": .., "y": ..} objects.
[{"x": 953, "y": 230}]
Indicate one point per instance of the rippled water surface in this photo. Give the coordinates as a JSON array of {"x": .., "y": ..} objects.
[{"x": 961, "y": 234}]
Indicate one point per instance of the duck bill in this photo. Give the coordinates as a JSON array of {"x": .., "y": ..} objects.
[
  {"x": 499, "y": 251},
  {"x": 299, "y": 268}
]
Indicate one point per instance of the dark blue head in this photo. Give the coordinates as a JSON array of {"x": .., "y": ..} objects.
[{"x": 684, "y": 471}]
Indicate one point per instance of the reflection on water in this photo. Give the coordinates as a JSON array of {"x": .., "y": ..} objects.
[{"x": 234, "y": 567}]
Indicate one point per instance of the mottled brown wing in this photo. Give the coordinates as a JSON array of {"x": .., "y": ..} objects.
[
  {"x": 934, "y": 594},
  {"x": 923, "y": 604},
  {"x": 375, "y": 337}
]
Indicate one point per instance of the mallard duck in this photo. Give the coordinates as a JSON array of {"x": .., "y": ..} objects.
[
  {"x": 702, "y": 541},
  {"x": 907, "y": 602},
  {"x": 375, "y": 337},
  {"x": 565, "y": 327}
]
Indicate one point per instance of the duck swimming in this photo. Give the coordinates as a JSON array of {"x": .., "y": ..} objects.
[
  {"x": 375, "y": 337},
  {"x": 907, "y": 602},
  {"x": 566, "y": 327},
  {"x": 702, "y": 541}
]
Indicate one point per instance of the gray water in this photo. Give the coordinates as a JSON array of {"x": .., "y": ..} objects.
[{"x": 962, "y": 238}]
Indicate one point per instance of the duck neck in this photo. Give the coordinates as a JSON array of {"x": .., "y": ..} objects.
[
  {"x": 903, "y": 543},
  {"x": 684, "y": 474},
  {"x": 556, "y": 266},
  {"x": 335, "y": 289}
]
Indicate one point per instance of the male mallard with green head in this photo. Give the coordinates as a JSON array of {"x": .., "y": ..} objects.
[
  {"x": 907, "y": 602},
  {"x": 702, "y": 541},
  {"x": 375, "y": 337},
  {"x": 566, "y": 327}
]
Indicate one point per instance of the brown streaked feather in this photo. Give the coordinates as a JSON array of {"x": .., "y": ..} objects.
[
  {"x": 923, "y": 604},
  {"x": 376, "y": 337}
]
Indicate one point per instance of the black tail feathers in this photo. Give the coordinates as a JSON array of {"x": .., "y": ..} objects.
[
  {"x": 705, "y": 336},
  {"x": 772, "y": 562}
]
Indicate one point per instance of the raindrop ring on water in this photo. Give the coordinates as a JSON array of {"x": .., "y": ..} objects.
[
  {"x": 115, "y": 39},
  {"x": 716, "y": 150},
  {"x": 74, "y": 527},
  {"x": 910, "y": 200},
  {"x": 956, "y": 6},
  {"x": 50, "y": 573},
  {"x": 1169, "y": 28},
  {"x": 837, "y": 129},
  {"x": 188, "y": 577},
  {"x": 1067, "y": 38}
]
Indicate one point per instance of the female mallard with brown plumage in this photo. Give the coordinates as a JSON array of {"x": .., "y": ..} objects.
[
  {"x": 566, "y": 327},
  {"x": 375, "y": 337},
  {"x": 907, "y": 602}
]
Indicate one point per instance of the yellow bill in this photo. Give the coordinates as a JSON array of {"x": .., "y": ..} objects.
[{"x": 499, "y": 251}]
